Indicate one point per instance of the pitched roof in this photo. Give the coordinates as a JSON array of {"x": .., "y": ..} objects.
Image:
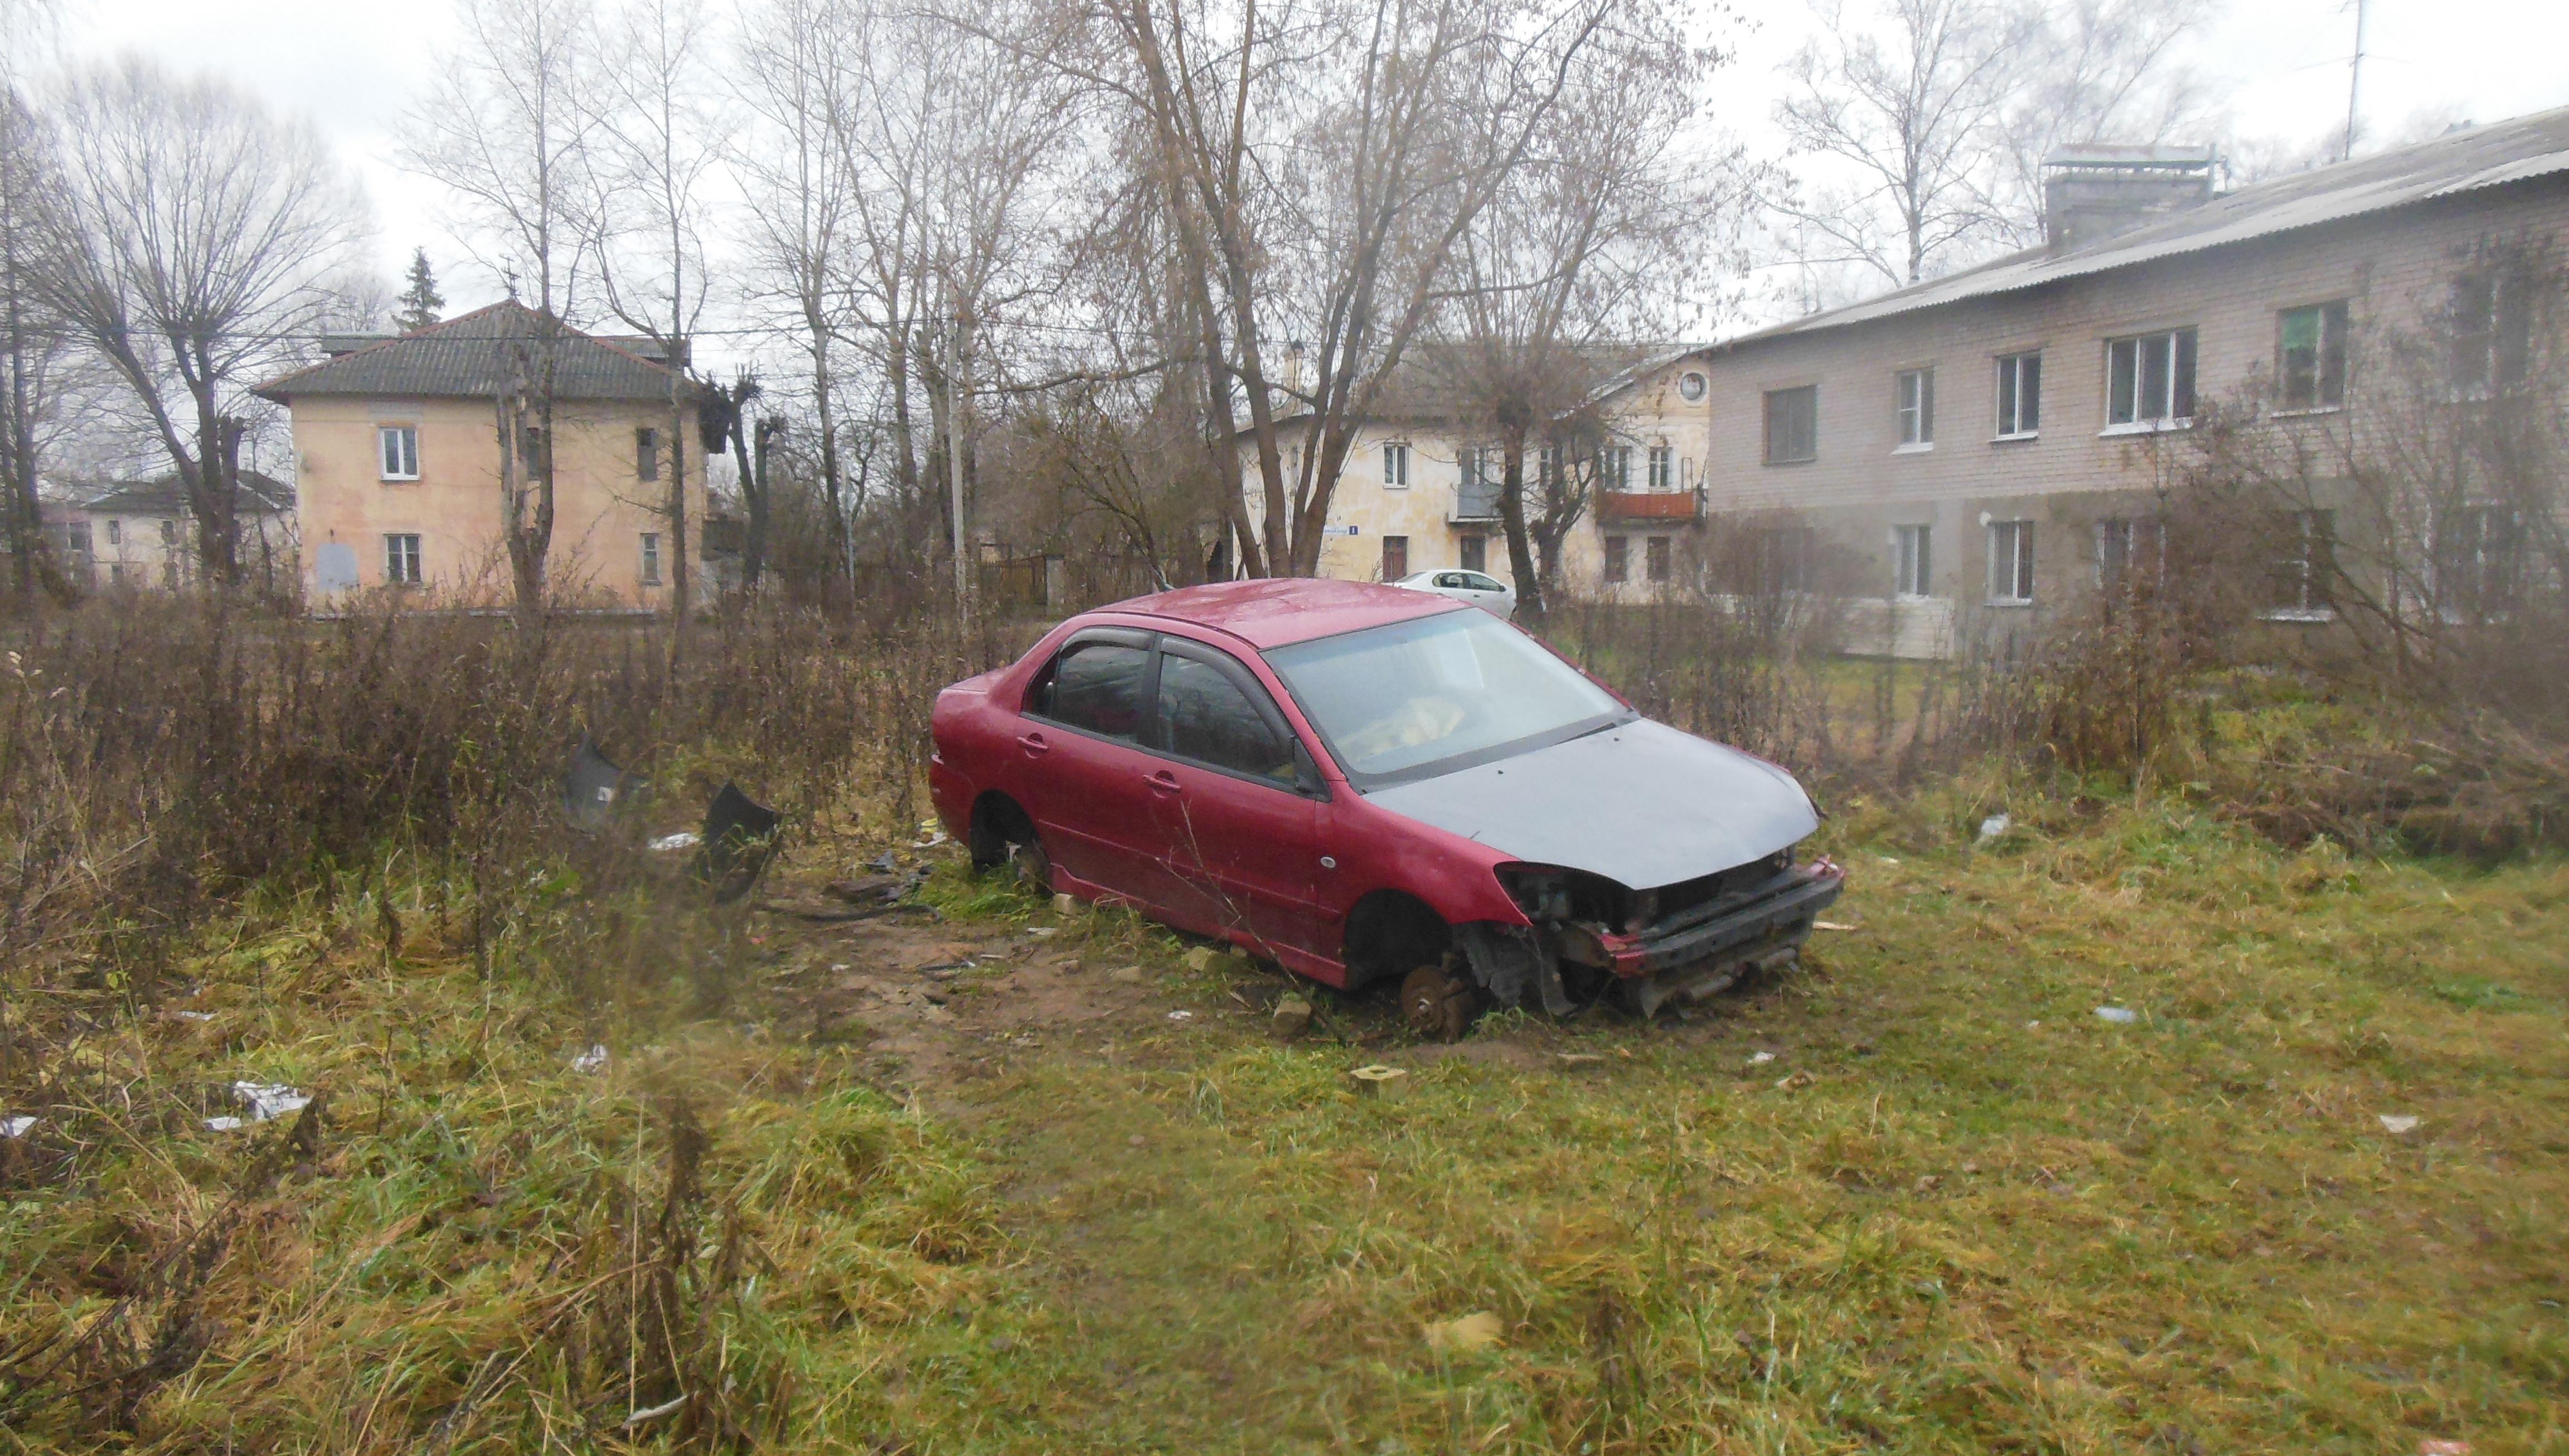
[
  {"x": 471, "y": 357},
  {"x": 257, "y": 493},
  {"x": 2526, "y": 147}
]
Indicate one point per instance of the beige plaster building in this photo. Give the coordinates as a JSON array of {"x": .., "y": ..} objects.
[
  {"x": 1420, "y": 493},
  {"x": 142, "y": 534},
  {"x": 397, "y": 446},
  {"x": 1977, "y": 452}
]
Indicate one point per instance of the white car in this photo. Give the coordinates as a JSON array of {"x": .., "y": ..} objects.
[{"x": 1477, "y": 587}]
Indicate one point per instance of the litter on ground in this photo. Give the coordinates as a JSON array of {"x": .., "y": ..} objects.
[
  {"x": 266, "y": 1102},
  {"x": 2119, "y": 1015},
  {"x": 2394, "y": 1123},
  {"x": 591, "y": 1060},
  {"x": 1465, "y": 1335},
  {"x": 17, "y": 1127},
  {"x": 1994, "y": 827},
  {"x": 670, "y": 844}
]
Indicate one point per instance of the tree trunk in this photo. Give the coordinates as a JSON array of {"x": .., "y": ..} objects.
[{"x": 1512, "y": 517}]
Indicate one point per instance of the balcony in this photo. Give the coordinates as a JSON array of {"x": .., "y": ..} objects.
[
  {"x": 1475, "y": 504},
  {"x": 1659, "y": 507}
]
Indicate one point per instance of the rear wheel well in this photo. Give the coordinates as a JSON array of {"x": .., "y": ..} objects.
[
  {"x": 997, "y": 821},
  {"x": 1392, "y": 932}
]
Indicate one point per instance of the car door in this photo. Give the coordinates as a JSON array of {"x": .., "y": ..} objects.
[
  {"x": 1235, "y": 801},
  {"x": 1081, "y": 764},
  {"x": 1490, "y": 592}
]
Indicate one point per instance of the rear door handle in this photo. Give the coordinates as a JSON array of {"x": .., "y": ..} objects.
[
  {"x": 1162, "y": 782},
  {"x": 1033, "y": 744}
]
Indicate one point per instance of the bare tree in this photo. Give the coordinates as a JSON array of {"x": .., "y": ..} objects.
[
  {"x": 196, "y": 236},
  {"x": 660, "y": 128},
  {"x": 509, "y": 127},
  {"x": 1904, "y": 100},
  {"x": 2095, "y": 71}
]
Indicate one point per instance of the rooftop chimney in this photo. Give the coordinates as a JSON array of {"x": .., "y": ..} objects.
[{"x": 2096, "y": 191}]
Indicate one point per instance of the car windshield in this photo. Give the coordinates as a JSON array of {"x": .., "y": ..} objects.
[{"x": 1437, "y": 693}]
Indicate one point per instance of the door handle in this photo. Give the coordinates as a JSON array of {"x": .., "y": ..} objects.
[
  {"x": 1033, "y": 744},
  {"x": 1162, "y": 782}
]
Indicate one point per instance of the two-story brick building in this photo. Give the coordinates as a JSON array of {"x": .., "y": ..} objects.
[
  {"x": 397, "y": 444},
  {"x": 1991, "y": 445}
]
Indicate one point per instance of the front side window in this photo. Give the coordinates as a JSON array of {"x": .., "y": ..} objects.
[
  {"x": 1912, "y": 561},
  {"x": 1204, "y": 716},
  {"x": 1395, "y": 467},
  {"x": 647, "y": 454},
  {"x": 1915, "y": 395},
  {"x": 1614, "y": 468},
  {"x": 1433, "y": 694},
  {"x": 2304, "y": 563},
  {"x": 1096, "y": 686},
  {"x": 114, "y": 531},
  {"x": 1784, "y": 554},
  {"x": 397, "y": 445},
  {"x": 1395, "y": 558},
  {"x": 1476, "y": 553},
  {"x": 2149, "y": 380},
  {"x": 1618, "y": 559},
  {"x": 1792, "y": 424},
  {"x": 1656, "y": 557},
  {"x": 2477, "y": 557},
  {"x": 2019, "y": 396},
  {"x": 2310, "y": 357},
  {"x": 2011, "y": 562},
  {"x": 2125, "y": 547},
  {"x": 1548, "y": 467},
  {"x": 650, "y": 559},
  {"x": 1663, "y": 470},
  {"x": 401, "y": 559}
]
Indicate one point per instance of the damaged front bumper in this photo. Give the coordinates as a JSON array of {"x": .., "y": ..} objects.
[{"x": 1689, "y": 954}]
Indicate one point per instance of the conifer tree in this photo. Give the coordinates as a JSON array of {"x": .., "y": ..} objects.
[{"x": 421, "y": 303}]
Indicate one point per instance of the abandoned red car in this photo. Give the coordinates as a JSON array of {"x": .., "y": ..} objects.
[{"x": 1360, "y": 782}]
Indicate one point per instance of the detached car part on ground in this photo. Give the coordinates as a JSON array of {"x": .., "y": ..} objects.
[{"x": 1358, "y": 782}]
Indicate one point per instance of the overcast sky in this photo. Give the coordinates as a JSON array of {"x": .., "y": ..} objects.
[{"x": 355, "y": 65}]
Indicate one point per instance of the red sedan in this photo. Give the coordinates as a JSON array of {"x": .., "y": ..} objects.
[{"x": 1360, "y": 782}]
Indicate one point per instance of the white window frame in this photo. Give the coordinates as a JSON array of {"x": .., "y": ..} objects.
[
  {"x": 1913, "y": 393},
  {"x": 1912, "y": 561},
  {"x": 1692, "y": 386},
  {"x": 2012, "y": 563},
  {"x": 2310, "y": 529},
  {"x": 2177, "y": 365},
  {"x": 1767, "y": 453},
  {"x": 2018, "y": 422},
  {"x": 2335, "y": 322},
  {"x": 1395, "y": 465},
  {"x": 2143, "y": 548},
  {"x": 1662, "y": 467},
  {"x": 401, "y": 559},
  {"x": 114, "y": 531},
  {"x": 1615, "y": 468},
  {"x": 397, "y": 451},
  {"x": 651, "y": 566}
]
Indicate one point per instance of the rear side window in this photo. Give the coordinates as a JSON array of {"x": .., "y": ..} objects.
[
  {"x": 1096, "y": 686},
  {"x": 1206, "y": 716}
]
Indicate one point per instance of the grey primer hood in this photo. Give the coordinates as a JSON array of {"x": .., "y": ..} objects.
[{"x": 1641, "y": 804}]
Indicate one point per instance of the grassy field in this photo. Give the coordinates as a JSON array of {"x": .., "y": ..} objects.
[{"x": 1914, "y": 1197}]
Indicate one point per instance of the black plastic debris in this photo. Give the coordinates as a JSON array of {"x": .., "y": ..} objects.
[
  {"x": 740, "y": 837},
  {"x": 594, "y": 789}
]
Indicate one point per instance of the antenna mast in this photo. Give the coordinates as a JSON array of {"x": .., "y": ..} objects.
[{"x": 2355, "y": 80}]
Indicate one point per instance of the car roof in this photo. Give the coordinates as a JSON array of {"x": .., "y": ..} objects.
[{"x": 1273, "y": 611}]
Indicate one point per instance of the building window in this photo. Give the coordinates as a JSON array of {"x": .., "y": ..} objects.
[
  {"x": 1395, "y": 468},
  {"x": 1663, "y": 470},
  {"x": 2011, "y": 562},
  {"x": 2124, "y": 546},
  {"x": 650, "y": 559},
  {"x": 1395, "y": 558},
  {"x": 2149, "y": 380},
  {"x": 2491, "y": 334},
  {"x": 1784, "y": 556},
  {"x": 2310, "y": 357},
  {"x": 1915, "y": 395},
  {"x": 169, "y": 532},
  {"x": 2019, "y": 396},
  {"x": 1476, "y": 553},
  {"x": 647, "y": 454},
  {"x": 1548, "y": 467},
  {"x": 1655, "y": 557},
  {"x": 2476, "y": 553},
  {"x": 1912, "y": 561},
  {"x": 116, "y": 574},
  {"x": 1618, "y": 559},
  {"x": 2305, "y": 564},
  {"x": 114, "y": 531},
  {"x": 1792, "y": 424},
  {"x": 1691, "y": 387},
  {"x": 531, "y": 449},
  {"x": 401, "y": 560},
  {"x": 398, "y": 447},
  {"x": 1615, "y": 468}
]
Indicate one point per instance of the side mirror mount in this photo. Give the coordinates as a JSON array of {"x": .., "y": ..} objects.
[{"x": 1306, "y": 773}]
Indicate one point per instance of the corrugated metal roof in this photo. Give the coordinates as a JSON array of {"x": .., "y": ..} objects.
[
  {"x": 471, "y": 357},
  {"x": 2483, "y": 157},
  {"x": 258, "y": 494}
]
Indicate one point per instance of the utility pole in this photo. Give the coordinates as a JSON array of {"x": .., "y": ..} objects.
[
  {"x": 955, "y": 393},
  {"x": 2355, "y": 80}
]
